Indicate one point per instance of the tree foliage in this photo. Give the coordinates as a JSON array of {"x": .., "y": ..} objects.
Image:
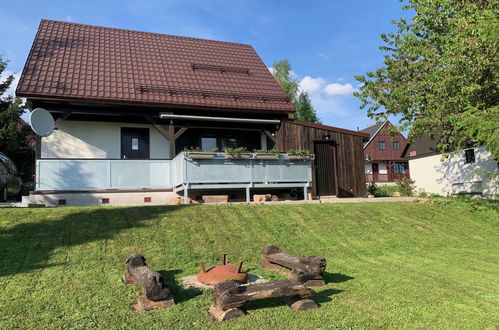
[
  {"x": 304, "y": 109},
  {"x": 12, "y": 130},
  {"x": 440, "y": 73}
]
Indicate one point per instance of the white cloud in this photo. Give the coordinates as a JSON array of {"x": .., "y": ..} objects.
[
  {"x": 336, "y": 89},
  {"x": 311, "y": 85}
]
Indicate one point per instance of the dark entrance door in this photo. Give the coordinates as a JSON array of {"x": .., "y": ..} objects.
[
  {"x": 325, "y": 168},
  {"x": 134, "y": 142}
]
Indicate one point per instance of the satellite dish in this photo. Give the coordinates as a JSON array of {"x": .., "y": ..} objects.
[{"x": 41, "y": 122}]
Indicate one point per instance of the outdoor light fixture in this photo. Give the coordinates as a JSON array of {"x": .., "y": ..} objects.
[{"x": 326, "y": 137}]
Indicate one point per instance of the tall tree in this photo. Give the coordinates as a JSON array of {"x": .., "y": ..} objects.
[
  {"x": 440, "y": 73},
  {"x": 304, "y": 109},
  {"x": 12, "y": 131}
]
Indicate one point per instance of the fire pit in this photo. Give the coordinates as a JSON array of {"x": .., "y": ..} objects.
[{"x": 222, "y": 273}]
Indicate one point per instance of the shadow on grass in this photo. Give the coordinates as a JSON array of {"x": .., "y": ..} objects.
[
  {"x": 336, "y": 277},
  {"x": 178, "y": 292},
  {"x": 29, "y": 245},
  {"x": 325, "y": 296}
]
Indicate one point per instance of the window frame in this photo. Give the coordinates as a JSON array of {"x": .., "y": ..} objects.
[
  {"x": 396, "y": 143},
  {"x": 381, "y": 143}
]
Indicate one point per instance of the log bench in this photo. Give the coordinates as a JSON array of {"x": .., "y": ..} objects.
[
  {"x": 306, "y": 270},
  {"x": 156, "y": 294},
  {"x": 229, "y": 296}
]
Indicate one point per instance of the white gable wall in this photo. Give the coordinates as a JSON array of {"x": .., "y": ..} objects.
[
  {"x": 453, "y": 175},
  {"x": 88, "y": 139}
]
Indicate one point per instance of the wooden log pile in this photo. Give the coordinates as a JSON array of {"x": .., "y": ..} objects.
[
  {"x": 229, "y": 296},
  {"x": 306, "y": 270},
  {"x": 156, "y": 294}
]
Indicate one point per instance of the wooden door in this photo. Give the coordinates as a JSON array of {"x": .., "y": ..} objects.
[
  {"x": 325, "y": 168},
  {"x": 135, "y": 142}
]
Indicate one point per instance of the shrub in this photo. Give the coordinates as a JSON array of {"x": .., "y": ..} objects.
[
  {"x": 405, "y": 186},
  {"x": 372, "y": 188}
]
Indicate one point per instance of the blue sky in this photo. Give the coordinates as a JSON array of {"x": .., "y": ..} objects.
[{"x": 327, "y": 42}]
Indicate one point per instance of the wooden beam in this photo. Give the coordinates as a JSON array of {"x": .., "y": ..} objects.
[
  {"x": 158, "y": 127},
  {"x": 269, "y": 135},
  {"x": 180, "y": 132}
]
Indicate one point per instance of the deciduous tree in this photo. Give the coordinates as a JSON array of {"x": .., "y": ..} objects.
[{"x": 440, "y": 73}]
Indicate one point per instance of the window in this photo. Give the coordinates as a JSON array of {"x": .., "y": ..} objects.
[
  {"x": 229, "y": 143},
  {"x": 381, "y": 145},
  {"x": 395, "y": 145},
  {"x": 398, "y": 168},
  {"x": 470, "y": 156},
  {"x": 209, "y": 143}
]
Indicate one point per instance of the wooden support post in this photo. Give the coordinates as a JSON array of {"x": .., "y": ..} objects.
[
  {"x": 270, "y": 136},
  {"x": 171, "y": 139}
]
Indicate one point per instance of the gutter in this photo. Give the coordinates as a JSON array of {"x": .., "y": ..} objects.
[{"x": 224, "y": 119}]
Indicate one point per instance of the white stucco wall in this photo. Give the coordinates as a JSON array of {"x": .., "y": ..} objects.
[
  {"x": 453, "y": 175},
  {"x": 87, "y": 139}
]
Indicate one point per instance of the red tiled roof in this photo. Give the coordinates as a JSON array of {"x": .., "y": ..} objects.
[{"x": 81, "y": 62}]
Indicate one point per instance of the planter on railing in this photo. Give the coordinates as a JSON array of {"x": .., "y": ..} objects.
[
  {"x": 200, "y": 155},
  {"x": 266, "y": 156},
  {"x": 238, "y": 156},
  {"x": 298, "y": 157}
]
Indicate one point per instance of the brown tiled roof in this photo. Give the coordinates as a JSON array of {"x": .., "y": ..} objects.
[{"x": 81, "y": 62}]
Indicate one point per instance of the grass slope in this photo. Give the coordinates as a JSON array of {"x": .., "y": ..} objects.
[{"x": 389, "y": 264}]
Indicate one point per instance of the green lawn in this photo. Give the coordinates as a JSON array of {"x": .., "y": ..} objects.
[{"x": 389, "y": 264}]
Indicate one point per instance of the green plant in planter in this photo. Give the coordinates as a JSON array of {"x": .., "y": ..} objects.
[
  {"x": 191, "y": 149},
  {"x": 271, "y": 151},
  {"x": 303, "y": 153},
  {"x": 235, "y": 151}
]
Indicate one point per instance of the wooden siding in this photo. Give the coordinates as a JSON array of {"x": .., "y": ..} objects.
[
  {"x": 372, "y": 151},
  {"x": 349, "y": 153}
]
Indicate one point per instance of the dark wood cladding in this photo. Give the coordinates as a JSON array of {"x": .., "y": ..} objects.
[
  {"x": 372, "y": 151},
  {"x": 349, "y": 153}
]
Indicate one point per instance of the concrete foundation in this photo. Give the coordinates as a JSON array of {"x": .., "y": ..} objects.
[{"x": 103, "y": 198}]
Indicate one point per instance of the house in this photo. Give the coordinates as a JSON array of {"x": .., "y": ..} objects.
[
  {"x": 127, "y": 104},
  {"x": 468, "y": 171},
  {"x": 383, "y": 155}
]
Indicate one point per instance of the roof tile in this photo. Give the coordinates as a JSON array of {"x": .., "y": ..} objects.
[{"x": 76, "y": 61}]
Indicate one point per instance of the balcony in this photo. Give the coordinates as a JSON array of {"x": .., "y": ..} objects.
[
  {"x": 192, "y": 171},
  {"x": 388, "y": 177},
  {"x": 185, "y": 172}
]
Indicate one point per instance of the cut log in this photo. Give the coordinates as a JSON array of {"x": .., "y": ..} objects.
[
  {"x": 298, "y": 270},
  {"x": 229, "y": 295},
  {"x": 223, "y": 315},
  {"x": 144, "y": 304},
  {"x": 300, "y": 304},
  {"x": 151, "y": 282}
]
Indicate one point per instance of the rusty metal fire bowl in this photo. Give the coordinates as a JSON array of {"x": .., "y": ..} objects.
[{"x": 222, "y": 273}]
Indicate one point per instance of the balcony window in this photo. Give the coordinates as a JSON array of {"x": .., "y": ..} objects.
[
  {"x": 398, "y": 168},
  {"x": 395, "y": 145},
  {"x": 209, "y": 143},
  {"x": 381, "y": 145}
]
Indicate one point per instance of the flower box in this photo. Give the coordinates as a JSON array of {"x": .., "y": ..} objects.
[
  {"x": 266, "y": 156},
  {"x": 201, "y": 155},
  {"x": 238, "y": 156}
]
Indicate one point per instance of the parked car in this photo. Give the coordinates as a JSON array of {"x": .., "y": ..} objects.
[{"x": 11, "y": 184}]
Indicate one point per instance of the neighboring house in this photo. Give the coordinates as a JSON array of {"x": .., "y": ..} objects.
[
  {"x": 469, "y": 171},
  {"x": 127, "y": 103},
  {"x": 383, "y": 155}
]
